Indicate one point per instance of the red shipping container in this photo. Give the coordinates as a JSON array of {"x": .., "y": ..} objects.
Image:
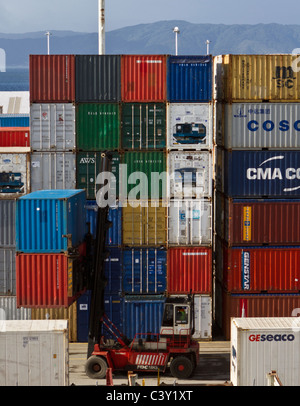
[
  {"x": 263, "y": 269},
  {"x": 189, "y": 270},
  {"x": 14, "y": 136},
  {"x": 52, "y": 78},
  {"x": 48, "y": 280},
  {"x": 262, "y": 222},
  {"x": 143, "y": 78}
]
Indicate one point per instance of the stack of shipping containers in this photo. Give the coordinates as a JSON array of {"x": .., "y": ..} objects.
[{"x": 257, "y": 173}]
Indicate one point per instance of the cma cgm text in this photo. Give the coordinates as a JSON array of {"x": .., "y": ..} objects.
[{"x": 272, "y": 173}]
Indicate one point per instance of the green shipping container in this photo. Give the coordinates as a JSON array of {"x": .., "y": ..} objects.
[
  {"x": 144, "y": 176},
  {"x": 88, "y": 167},
  {"x": 143, "y": 126},
  {"x": 98, "y": 126}
]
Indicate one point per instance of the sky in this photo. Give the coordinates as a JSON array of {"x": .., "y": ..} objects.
[{"x": 20, "y": 16}]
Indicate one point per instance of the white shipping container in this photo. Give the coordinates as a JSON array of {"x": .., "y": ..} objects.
[
  {"x": 190, "y": 126},
  {"x": 14, "y": 174},
  {"x": 10, "y": 311},
  {"x": 190, "y": 222},
  {"x": 53, "y": 170},
  {"x": 190, "y": 174},
  {"x": 52, "y": 127},
  {"x": 34, "y": 353},
  {"x": 262, "y": 345},
  {"x": 261, "y": 125}
]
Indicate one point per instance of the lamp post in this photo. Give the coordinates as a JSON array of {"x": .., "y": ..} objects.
[
  {"x": 48, "y": 33},
  {"x": 176, "y": 31},
  {"x": 101, "y": 27}
]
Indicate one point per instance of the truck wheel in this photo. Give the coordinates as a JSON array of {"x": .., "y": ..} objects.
[
  {"x": 96, "y": 367},
  {"x": 181, "y": 367}
]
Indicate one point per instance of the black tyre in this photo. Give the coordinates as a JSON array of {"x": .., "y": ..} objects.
[
  {"x": 96, "y": 367},
  {"x": 181, "y": 367}
]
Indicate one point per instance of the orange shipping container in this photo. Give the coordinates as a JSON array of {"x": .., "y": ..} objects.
[{"x": 143, "y": 78}]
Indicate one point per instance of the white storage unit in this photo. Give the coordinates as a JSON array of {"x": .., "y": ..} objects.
[
  {"x": 34, "y": 353},
  {"x": 262, "y": 345}
]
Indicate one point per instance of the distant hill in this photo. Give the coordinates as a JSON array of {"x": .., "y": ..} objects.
[{"x": 157, "y": 38}]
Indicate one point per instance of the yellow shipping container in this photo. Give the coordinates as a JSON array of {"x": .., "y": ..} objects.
[
  {"x": 144, "y": 224},
  {"x": 241, "y": 78}
]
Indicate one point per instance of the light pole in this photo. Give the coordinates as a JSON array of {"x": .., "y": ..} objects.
[
  {"x": 176, "y": 31},
  {"x": 48, "y": 33},
  {"x": 207, "y": 46},
  {"x": 101, "y": 27}
]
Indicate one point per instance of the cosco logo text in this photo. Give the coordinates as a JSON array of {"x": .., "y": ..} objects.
[
  {"x": 269, "y": 125},
  {"x": 271, "y": 337}
]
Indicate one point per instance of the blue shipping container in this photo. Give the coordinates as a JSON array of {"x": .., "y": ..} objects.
[
  {"x": 113, "y": 307},
  {"x": 50, "y": 221},
  {"x": 189, "y": 78},
  {"x": 14, "y": 120},
  {"x": 265, "y": 174},
  {"x": 83, "y": 317},
  {"x": 113, "y": 270},
  {"x": 142, "y": 314},
  {"x": 144, "y": 271}
]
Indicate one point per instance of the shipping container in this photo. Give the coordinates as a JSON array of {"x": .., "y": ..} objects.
[
  {"x": 114, "y": 309},
  {"x": 144, "y": 126},
  {"x": 7, "y": 223},
  {"x": 142, "y": 315},
  {"x": 113, "y": 266},
  {"x": 190, "y": 174},
  {"x": 144, "y": 225},
  {"x": 7, "y": 271},
  {"x": 257, "y": 78},
  {"x": 14, "y": 137},
  {"x": 83, "y": 317},
  {"x": 258, "y": 221},
  {"x": 189, "y": 270},
  {"x": 52, "y": 78},
  {"x": 9, "y": 310},
  {"x": 34, "y": 353},
  {"x": 260, "y": 269},
  {"x": 258, "y": 174},
  {"x": 143, "y": 78},
  {"x": 189, "y": 126},
  {"x": 189, "y": 78},
  {"x": 144, "y": 176},
  {"x": 14, "y": 120},
  {"x": 88, "y": 165},
  {"x": 14, "y": 174},
  {"x": 261, "y": 346},
  {"x": 49, "y": 280},
  {"x": 52, "y": 127},
  {"x": 98, "y": 78},
  {"x": 52, "y": 170},
  {"x": 98, "y": 126},
  {"x": 260, "y": 125},
  {"x": 190, "y": 222},
  {"x": 50, "y": 221},
  {"x": 144, "y": 271}
]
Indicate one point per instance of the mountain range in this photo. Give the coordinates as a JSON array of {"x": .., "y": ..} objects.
[{"x": 156, "y": 38}]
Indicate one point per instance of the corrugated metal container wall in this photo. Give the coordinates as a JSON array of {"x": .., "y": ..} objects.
[
  {"x": 98, "y": 126},
  {"x": 255, "y": 222},
  {"x": 260, "y": 77},
  {"x": 189, "y": 78},
  {"x": 8, "y": 223},
  {"x": 14, "y": 136},
  {"x": 113, "y": 270},
  {"x": 9, "y": 310},
  {"x": 88, "y": 166},
  {"x": 52, "y": 170},
  {"x": 143, "y": 78},
  {"x": 190, "y": 126},
  {"x": 190, "y": 174},
  {"x": 52, "y": 78},
  {"x": 142, "y": 314},
  {"x": 190, "y": 222},
  {"x": 257, "y": 269},
  {"x": 98, "y": 78},
  {"x": 52, "y": 127},
  {"x": 83, "y": 315},
  {"x": 114, "y": 309},
  {"x": 189, "y": 270},
  {"x": 14, "y": 174},
  {"x": 144, "y": 126},
  {"x": 14, "y": 120},
  {"x": 7, "y": 271},
  {"x": 144, "y": 271},
  {"x": 142, "y": 175},
  {"x": 44, "y": 218},
  {"x": 261, "y": 174},
  {"x": 144, "y": 226}
]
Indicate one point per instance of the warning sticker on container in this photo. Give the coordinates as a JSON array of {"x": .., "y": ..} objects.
[{"x": 247, "y": 223}]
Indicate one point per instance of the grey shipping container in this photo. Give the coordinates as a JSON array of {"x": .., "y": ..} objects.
[
  {"x": 7, "y": 271},
  {"x": 10, "y": 311},
  {"x": 53, "y": 170},
  {"x": 52, "y": 127},
  {"x": 7, "y": 223},
  {"x": 98, "y": 78}
]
